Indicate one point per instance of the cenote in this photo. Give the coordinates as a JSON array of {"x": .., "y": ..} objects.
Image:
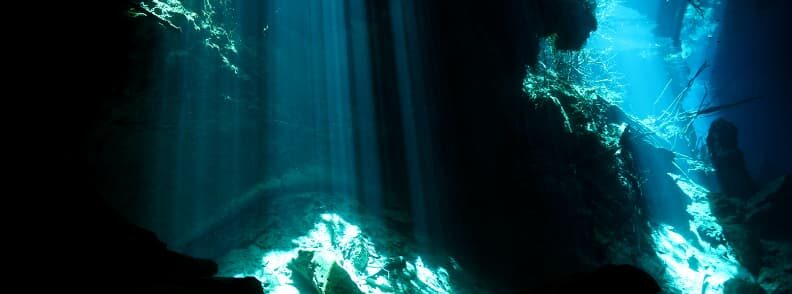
[{"x": 427, "y": 146}]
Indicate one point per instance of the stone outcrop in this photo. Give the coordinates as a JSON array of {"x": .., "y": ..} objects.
[
  {"x": 755, "y": 220},
  {"x": 728, "y": 160}
]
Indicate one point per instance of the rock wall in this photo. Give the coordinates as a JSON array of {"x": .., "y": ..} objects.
[{"x": 754, "y": 219}]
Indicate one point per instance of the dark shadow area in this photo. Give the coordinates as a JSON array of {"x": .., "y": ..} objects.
[
  {"x": 752, "y": 60},
  {"x": 96, "y": 62},
  {"x": 605, "y": 279},
  {"x": 123, "y": 258}
]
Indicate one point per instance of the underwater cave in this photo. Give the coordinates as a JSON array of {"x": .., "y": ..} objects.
[{"x": 423, "y": 146}]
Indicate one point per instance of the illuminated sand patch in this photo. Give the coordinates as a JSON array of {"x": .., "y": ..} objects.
[
  {"x": 335, "y": 240},
  {"x": 696, "y": 266}
]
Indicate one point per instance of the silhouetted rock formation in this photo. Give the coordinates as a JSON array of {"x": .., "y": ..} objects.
[
  {"x": 123, "y": 258},
  {"x": 756, "y": 223},
  {"x": 728, "y": 160}
]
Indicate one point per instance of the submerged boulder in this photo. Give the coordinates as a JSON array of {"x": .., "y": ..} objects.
[
  {"x": 318, "y": 272},
  {"x": 302, "y": 268},
  {"x": 339, "y": 282}
]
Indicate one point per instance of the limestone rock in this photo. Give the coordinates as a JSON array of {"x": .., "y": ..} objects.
[
  {"x": 728, "y": 160},
  {"x": 769, "y": 210},
  {"x": 319, "y": 272},
  {"x": 339, "y": 282}
]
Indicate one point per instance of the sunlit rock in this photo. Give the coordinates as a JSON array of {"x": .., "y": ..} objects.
[{"x": 335, "y": 256}]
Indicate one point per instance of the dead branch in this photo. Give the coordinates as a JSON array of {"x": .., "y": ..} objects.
[
  {"x": 663, "y": 92},
  {"x": 678, "y": 99},
  {"x": 709, "y": 110}
]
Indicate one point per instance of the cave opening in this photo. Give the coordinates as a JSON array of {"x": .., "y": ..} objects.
[{"x": 506, "y": 146}]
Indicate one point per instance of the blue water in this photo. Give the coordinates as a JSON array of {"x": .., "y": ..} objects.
[
  {"x": 283, "y": 98},
  {"x": 654, "y": 73}
]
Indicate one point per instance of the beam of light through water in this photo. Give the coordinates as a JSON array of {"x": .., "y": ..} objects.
[
  {"x": 413, "y": 117},
  {"x": 650, "y": 83},
  {"x": 307, "y": 118},
  {"x": 696, "y": 266},
  {"x": 266, "y": 95},
  {"x": 321, "y": 117}
]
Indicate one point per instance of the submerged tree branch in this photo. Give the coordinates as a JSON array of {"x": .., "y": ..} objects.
[
  {"x": 712, "y": 109},
  {"x": 667, "y": 114}
]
